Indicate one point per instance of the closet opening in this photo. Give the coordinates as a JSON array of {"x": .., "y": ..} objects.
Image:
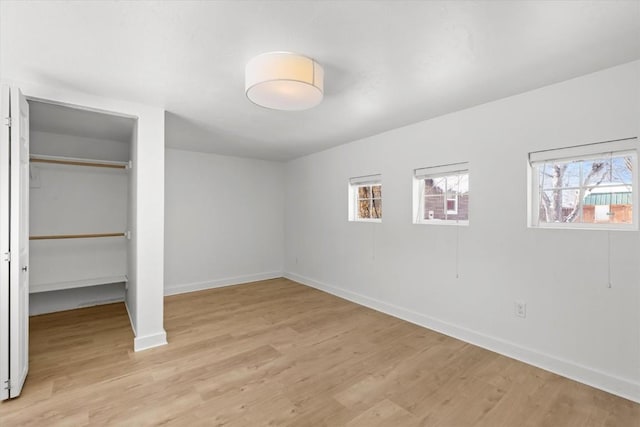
[{"x": 81, "y": 207}]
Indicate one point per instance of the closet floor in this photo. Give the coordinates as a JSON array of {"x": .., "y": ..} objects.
[{"x": 279, "y": 353}]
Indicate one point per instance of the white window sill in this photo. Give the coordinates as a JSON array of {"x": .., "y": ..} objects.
[
  {"x": 600, "y": 227},
  {"x": 442, "y": 222}
]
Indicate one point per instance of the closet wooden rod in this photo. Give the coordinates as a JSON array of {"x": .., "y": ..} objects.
[
  {"x": 77, "y": 236},
  {"x": 78, "y": 163}
]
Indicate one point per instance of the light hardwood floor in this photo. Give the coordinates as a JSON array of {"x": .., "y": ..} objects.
[{"x": 279, "y": 353}]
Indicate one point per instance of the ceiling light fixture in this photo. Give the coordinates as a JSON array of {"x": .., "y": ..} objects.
[{"x": 284, "y": 81}]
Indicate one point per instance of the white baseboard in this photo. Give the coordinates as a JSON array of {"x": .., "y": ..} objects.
[
  {"x": 592, "y": 377},
  {"x": 150, "y": 341},
  {"x": 219, "y": 283},
  {"x": 147, "y": 341}
]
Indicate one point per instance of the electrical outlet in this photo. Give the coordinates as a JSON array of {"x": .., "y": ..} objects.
[{"x": 521, "y": 309}]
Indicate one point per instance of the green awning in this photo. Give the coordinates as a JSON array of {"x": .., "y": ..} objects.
[{"x": 608, "y": 199}]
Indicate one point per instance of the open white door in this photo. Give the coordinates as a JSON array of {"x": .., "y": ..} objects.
[
  {"x": 4, "y": 243},
  {"x": 17, "y": 287},
  {"x": 19, "y": 265}
]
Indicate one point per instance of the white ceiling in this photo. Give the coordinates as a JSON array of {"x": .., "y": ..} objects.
[{"x": 387, "y": 63}]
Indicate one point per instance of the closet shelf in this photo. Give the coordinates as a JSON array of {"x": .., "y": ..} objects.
[
  {"x": 46, "y": 287},
  {"x": 79, "y": 236},
  {"x": 74, "y": 161}
]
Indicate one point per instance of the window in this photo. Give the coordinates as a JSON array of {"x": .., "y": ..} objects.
[
  {"x": 441, "y": 195},
  {"x": 588, "y": 186},
  {"x": 365, "y": 198}
]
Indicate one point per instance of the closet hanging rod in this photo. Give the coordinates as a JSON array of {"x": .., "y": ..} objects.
[
  {"x": 78, "y": 236},
  {"x": 78, "y": 162}
]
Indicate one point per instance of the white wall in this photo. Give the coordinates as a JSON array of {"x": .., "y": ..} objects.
[
  {"x": 132, "y": 213},
  {"x": 145, "y": 295},
  {"x": 575, "y": 324},
  {"x": 223, "y": 220}
]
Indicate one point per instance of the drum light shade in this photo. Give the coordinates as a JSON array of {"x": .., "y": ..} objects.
[{"x": 284, "y": 81}]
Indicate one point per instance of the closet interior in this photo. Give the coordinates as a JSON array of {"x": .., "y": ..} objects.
[{"x": 80, "y": 206}]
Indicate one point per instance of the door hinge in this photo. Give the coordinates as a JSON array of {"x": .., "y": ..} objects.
[
  {"x": 7, "y": 256},
  {"x": 8, "y": 385},
  {"x": 7, "y": 121}
]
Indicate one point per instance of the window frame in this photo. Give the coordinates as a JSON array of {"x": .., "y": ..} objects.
[
  {"x": 617, "y": 148},
  {"x": 358, "y": 182},
  {"x": 419, "y": 196}
]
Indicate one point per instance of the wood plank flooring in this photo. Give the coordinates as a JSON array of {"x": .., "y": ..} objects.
[{"x": 279, "y": 353}]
